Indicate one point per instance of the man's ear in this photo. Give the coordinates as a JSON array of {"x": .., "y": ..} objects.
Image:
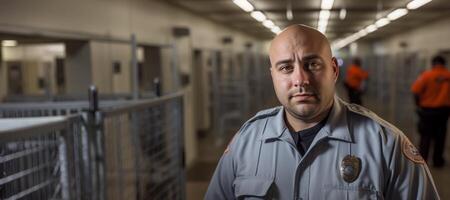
[{"x": 334, "y": 65}]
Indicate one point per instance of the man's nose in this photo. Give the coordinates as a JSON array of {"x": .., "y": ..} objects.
[{"x": 300, "y": 77}]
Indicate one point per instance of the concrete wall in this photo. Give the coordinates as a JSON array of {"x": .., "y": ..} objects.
[
  {"x": 104, "y": 55},
  {"x": 37, "y": 61},
  {"x": 78, "y": 70},
  {"x": 104, "y": 24}
]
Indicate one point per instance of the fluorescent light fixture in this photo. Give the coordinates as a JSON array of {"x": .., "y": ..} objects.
[
  {"x": 324, "y": 15},
  {"x": 371, "y": 28},
  {"x": 326, "y": 4},
  {"x": 244, "y": 4},
  {"x": 416, "y": 4},
  {"x": 382, "y": 22},
  {"x": 258, "y": 15},
  {"x": 323, "y": 23},
  {"x": 342, "y": 14},
  {"x": 268, "y": 24},
  {"x": 362, "y": 33},
  {"x": 322, "y": 26},
  {"x": 353, "y": 37},
  {"x": 322, "y": 29},
  {"x": 323, "y": 20},
  {"x": 276, "y": 29},
  {"x": 9, "y": 43},
  {"x": 289, "y": 15},
  {"x": 397, "y": 14}
]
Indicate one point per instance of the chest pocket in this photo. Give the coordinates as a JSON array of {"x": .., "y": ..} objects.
[
  {"x": 252, "y": 187},
  {"x": 350, "y": 192}
]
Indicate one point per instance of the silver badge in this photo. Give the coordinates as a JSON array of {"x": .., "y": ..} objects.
[{"x": 350, "y": 168}]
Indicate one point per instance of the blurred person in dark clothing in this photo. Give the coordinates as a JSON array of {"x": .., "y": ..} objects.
[
  {"x": 432, "y": 96},
  {"x": 354, "y": 81}
]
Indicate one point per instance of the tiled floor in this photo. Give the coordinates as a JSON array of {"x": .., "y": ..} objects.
[
  {"x": 199, "y": 175},
  {"x": 201, "y": 172}
]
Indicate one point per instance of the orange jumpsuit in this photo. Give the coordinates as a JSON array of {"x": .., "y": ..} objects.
[
  {"x": 432, "y": 91},
  {"x": 353, "y": 81}
]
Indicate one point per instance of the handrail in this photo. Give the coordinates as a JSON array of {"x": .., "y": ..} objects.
[
  {"x": 36, "y": 126},
  {"x": 142, "y": 104}
]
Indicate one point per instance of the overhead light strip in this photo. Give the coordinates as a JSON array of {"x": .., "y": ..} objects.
[
  {"x": 416, "y": 4},
  {"x": 9, "y": 43},
  {"x": 258, "y": 15},
  {"x": 244, "y": 5},
  {"x": 324, "y": 15},
  {"x": 382, "y": 22},
  {"x": 400, "y": 12},
  {"x": 394, "y": 15}
]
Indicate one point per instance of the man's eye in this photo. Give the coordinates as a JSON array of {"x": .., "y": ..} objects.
[
  {"x": 285, "y": 68},
  {"x": 312, "y": 66}
]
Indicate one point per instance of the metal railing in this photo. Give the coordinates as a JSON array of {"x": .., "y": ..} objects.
[
  {"x": 40, "y": 158},
  {"x": 153, "y": 168},
  {"x": 125, "y": 150},
  {"x": 238, "y": 90}
]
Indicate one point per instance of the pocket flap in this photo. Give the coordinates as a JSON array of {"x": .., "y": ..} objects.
[{"x": 252, "y": 186}]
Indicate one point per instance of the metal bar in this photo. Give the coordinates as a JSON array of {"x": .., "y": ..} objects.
[
  {"x": 45, "y": 126},
  {"x": 20, "y": 154},
  {"x": 22, "y": 173},
  {"x": 137, "y": 105},
  {"x": 134, "y": 67},
  {"x": 64, "y": 168},
  {"x": 135, "y": 128},
  {"x": 30, "y": 190}
]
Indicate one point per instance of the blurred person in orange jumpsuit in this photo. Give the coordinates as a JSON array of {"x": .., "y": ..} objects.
[
  {"x": 432, "y": 96},
  {"x": 354, "y": 81}
]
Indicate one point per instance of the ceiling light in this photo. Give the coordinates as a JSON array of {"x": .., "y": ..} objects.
[
  {"x": 322, "y": 29},
  {"x": 258, "y": 15},
  {"x": 362, "y": 33},
  {"x": 342, "y": 14},
  {"x": 324, "y": 15},
  {"x": 397, "y": 14},
  {"x": 276, "y": 29},
  {"x": 326, "y": 4},
  {"x": 416, "y": 4},
  {"x": 382, "y": 22},
  {"x": 289, "y": 15},
  {"x": 322, "y": 25},
  {"x": 268, "y": 24},
  {"x": 9, "y": 43},
  {"x": 371, "y": 28},
  {"x": 244, "y": 4}
]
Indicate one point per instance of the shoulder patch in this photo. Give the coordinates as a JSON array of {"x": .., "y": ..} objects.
[
  {"x": 368, "y": 113},
  {"x": 411, "y": 152},
  {"x": 228, "y": 146}
]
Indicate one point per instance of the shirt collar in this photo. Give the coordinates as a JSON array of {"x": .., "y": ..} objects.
[{"x": 336, "y": 126}]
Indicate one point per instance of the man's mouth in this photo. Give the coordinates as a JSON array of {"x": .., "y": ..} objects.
[{"x": 305, "y": 96}]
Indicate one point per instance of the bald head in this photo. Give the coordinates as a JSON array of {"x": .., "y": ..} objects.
[
  {"x": 304, "y": 74},
  {"x": 300, "y": 38}
]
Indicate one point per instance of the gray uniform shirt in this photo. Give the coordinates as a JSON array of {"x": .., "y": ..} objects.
[{"x": 262, "y": 161}]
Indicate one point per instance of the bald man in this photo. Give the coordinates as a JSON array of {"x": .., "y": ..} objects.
[{"x": 315, "y": 146}]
